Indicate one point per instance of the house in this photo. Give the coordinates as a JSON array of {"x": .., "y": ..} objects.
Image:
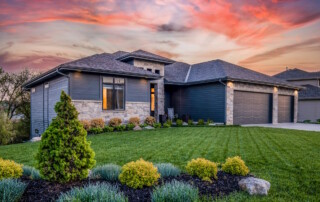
[
  {"x": 309, "y": 96},
  {"x": 139, "y": 83}
]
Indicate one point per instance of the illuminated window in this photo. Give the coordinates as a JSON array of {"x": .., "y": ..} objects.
[
  {"x": 152, "y": 99},
  {"x": 113, "y": 93}
]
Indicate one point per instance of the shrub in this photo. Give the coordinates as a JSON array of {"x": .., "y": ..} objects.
[
  {"x": 139, "y": 174},
  {"x": 64, "y": 153},
  {"x": 200, "y": 122},
  {"x": 134, "y": 120},
  {"x": 108, "y": 129},
  {"x": 190, "y": 122},
  {"x": 130, "y": 126},
  {"x": 8, "y": 135},
  {"x": 318, "y": 120},
  {"x": 86, "y": 124},
  {"x": 98, "y": 192},
  {"x": 175, "y": 191},
  {"x": 150, "y": 120},
  {"x": 109, "y": 172},
  {"x": 120, "y": 128},
  {"x": 307, "y": 121},
  {"x": 235, "y": 166},
  {"x": 169, "y": 122},
  {"x": 31, "y": 173},
  {"x": 166, "y": 125},
  {"x": 10, "y": 169},
  {"x": 95, "y": 130},
  {"x": 179, "y": 122},
  {"x": 209, "y": 121},
  {"x": 157, "y": 125},
  {"x": 115, "y": 122},
  {"x": 11, "y": 190},
  {"x": 167, "y": 170},
  {"x": 143, "y": 125},
  {"x": 202, "y": 168},
  {"x": 97, "y": 123}
]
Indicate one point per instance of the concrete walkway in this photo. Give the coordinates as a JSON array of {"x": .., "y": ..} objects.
[{"x": 293, "y": 126}]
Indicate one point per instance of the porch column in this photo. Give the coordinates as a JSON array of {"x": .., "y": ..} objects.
[
  {"x": 275, "y": 106},
  {"x": 229, "y": 103},
  {"x": 295, "y": 102}
]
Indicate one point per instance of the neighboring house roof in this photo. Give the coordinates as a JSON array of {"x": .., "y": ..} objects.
[
  {"x": 98, "y": 63},
  {"x": 309, "y": 92},
  {"x": 297, "y": 74},
  {"x": 141, "y": 54},
  {"x": 219, "y": 70}
]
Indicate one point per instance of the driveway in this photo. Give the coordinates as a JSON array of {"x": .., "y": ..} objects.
[{"x": 293, "y": 126}]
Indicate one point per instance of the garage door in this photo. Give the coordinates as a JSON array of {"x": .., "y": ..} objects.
[
  {"x": 285, "y": 109},
  {"x": 252, "y": 108}
]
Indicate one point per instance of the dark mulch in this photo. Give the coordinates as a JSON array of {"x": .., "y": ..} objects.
[{"x": 40, "y": 190}]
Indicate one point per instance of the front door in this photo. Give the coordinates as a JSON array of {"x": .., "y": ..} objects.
[{"x": 153, "y": 99}]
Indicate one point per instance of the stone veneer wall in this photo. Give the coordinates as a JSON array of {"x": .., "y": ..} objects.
[
  {"x": 232, "y": 86},
  {"x": 90, "y": 109}
]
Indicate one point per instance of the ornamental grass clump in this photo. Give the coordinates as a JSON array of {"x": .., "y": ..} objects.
[
  {"x": 11, "y": 190},
  {"x": 115, "y": 122},
  {"x": 202, "y": 168},
  {"x": 64, "y": 153},
  {"x": 86, "y": 124},
  {"x": 31, "y": 173},
  {"x": 98, "y": 192},
  {"x": 140, "y": 173},
  {"x": 134, "y": 120},
  {"x": 10, "y": 169},
  {"x": 150, "y": 120},
  {"x": 167, "y": 170},
  {"x": 235, "y": 166},
  {"x": 108, "y": 172},
  {"x": 97, "y": 123},
  {"x": 175, "y": 191}
]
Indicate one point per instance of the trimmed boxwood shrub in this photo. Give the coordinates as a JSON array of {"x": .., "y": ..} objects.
[
  {"x": 11, "y": 190},
  {"x": 97, "y": 123},
  {"x": 175, "y": 191},
  {"x": 130, "y": 126},
  {"x": 10, "y": 169},
  {"x": 209, "y": 121},
  {"x": 139, "y": 174},
  {"x": 169, "y": 122},
  {"x": 31, "y": 173},
  {"x": 150, "y": 120},
  {"x": 109, "y": 172},
  {"x": 202, "y": 168},
  {"x": 235, "y": 166},
  {"x": 157, "y": 125},
  {"x": 95, "y": 130},
  {"x": 200, "y": 122},
  {"x": 190, "y": 122},
  {"x": 108, "y": 129},
  {"x": 179, "y": 122},
  {"x": 98, "y": 192},
  {"x": 64, "y": 153},
  {"x": 167, "y": 170},
  {"x": 166, "y": 125},
  {"x": 115, "y": 122},
  {"x": 120, "y": 128}
]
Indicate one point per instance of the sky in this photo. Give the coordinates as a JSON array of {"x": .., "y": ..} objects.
[{"x": 263, "y": 35}]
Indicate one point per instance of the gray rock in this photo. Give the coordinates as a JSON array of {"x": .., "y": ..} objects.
[
  {"x": 184, "y": 124},
  {"x": 35, "y": 139},
  {"x": 149, "y": 127},
  {"x": 254, "y": 186},
  {"x": 137, "y": 128}
]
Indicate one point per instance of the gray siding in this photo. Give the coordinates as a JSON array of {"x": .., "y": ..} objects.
[
  {"x": 43, "y": 101},
  {"x": 85, "y": 86},
  {"x": 137, "y": 90},
  {"x": 199, "y": 101},
  {"x": 309, "y": 110}
]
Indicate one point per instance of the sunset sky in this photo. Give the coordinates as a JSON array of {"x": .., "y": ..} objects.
[{"x": 262, "y": 35}]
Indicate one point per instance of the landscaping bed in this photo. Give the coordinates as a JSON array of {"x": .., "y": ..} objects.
[{"x": 41, "y": 190}]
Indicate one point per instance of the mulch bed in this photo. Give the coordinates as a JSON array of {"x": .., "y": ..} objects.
[{"x": 40, "y": 190}]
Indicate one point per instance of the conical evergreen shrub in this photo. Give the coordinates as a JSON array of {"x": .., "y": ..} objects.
[{"x": 65, "y": 154}]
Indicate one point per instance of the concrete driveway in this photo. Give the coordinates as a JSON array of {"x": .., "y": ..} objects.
[{"x": 293, "y": 126}]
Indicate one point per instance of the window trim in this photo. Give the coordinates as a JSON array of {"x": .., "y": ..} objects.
[{"x": 113, "y": 92}]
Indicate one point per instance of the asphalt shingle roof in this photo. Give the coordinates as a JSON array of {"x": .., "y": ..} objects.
[
  {"x": 145, "y": 55},
  {"x": 309, "y": 92},
  {"x": 296, "y": 74},
  {"x": 176, "y": 72}
]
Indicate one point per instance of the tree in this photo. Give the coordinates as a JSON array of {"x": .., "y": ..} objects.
[{"x": 65, "y": 154}]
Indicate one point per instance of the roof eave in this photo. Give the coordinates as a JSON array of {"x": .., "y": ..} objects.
[{"x": 126, "y": 57}]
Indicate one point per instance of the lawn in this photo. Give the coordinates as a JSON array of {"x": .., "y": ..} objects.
[{"x": 289, "y": 159}]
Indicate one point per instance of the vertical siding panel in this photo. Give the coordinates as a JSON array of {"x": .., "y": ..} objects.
[
  {"x": 37, "y": 111},
  {"x": 137, "y": 90}
]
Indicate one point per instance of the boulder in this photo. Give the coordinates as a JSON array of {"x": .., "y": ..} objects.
[
  {"x": 184, "y": 124},
  {"x": 137, "y": 128},
  {"x": 149, "y": 127},
  {"x": 254, "y": 186},
  {"x": 35, "y": 139}
]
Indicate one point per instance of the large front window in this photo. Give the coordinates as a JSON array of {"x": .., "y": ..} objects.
[{"x": 113, "y": 93}]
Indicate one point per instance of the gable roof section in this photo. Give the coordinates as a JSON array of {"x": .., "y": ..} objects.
[
  {"x": 141, "y": 54},
  {"x": 98, "y": 63},
  {"x": 297, "y": 74},
  {"x": 219, "y": 70},
  {"x": 176, "y": 72},
  {"x": 309, "y": 92}
]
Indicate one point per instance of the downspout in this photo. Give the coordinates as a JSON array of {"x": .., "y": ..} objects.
[{"x": 66, "y": 75}]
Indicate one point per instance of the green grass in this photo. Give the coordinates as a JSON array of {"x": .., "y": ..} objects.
[{"x": 289, "y": 159}]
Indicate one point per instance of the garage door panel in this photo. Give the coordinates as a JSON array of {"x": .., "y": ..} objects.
[
  {"x": 285, "y": 109},
  {"x": 251, "y": 108}
]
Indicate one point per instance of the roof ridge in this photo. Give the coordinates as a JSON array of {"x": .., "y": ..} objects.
[{"x": 187, "y": 77}]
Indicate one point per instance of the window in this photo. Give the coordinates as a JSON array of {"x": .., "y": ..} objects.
[
  {"x": 150, "y": 70},
  {"x": 157, "y": 71},
  {"x": 113, "y": 93}
]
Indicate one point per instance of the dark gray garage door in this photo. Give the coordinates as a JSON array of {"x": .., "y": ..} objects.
[
  {"x": 285, "y": 109},
  {"x": 252, "y": 108}
]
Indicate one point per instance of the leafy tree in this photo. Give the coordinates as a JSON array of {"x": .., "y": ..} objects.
[{"x": 65, "y": 154}]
